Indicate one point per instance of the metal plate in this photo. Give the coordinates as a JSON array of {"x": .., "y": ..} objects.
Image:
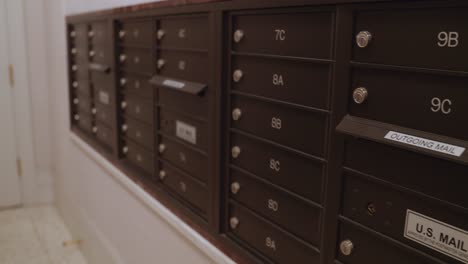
[
  {"x": 429, "y": 43},
  {"x": 274, "y": 243},
  {"x": 425, "y": 102},
  {"x": 188, "y": 66},
  {"x": 139, "y": 132},
  {"x": 192, "y": 131},
  {"x": 140, "y": 33},
  {"x": 299, "y": 129},
  {"x": 290, "y": 213},
  {"x": 137, "y": 60},
  {"x": 139, "y": 156},
  {"x": 287, "y": 169},
  {"x": 185, "y": 158},
  {"x": 389, "y": 207},
  {"x": 184, "y": 33},
  {"x": 301, "y": 34},
  {"x": 136, "y": 85},
  {"x": 187, "y": 188},
  {"x": 140, "y": 109},
  {"x": 298, "y": 82},
  {"x": 413, "y": 170}
]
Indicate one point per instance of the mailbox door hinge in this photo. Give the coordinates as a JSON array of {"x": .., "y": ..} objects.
[
  {"x": 11, "y": 75},
  {"x": 19, "y": 167}
]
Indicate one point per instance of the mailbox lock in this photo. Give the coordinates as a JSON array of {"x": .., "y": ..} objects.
[
  {"x": 91, "y": 34},
  {"x": 162, "y": 174},
  {"x": 123, "y": 81},
  {"x": 234, "y": 222},
  {"x": 162, "y": 148},
  {"x": 161, "y": 63},
  {"x": 235, "y": 151},
  {"x": 360, "y": 95},
  {"x": 91, "y": 53},
  {"x": 124, "y": 127},
  {"x": 123, "y": 57},
  {"x": 125, "y": 150},
  {"x": 77, "y": 117},
  {"x": 73, "y": 34},
  {"x": 75, "y": 84},
  {"x": 238, "y": 35},
  {"x": 363, "y": 39},
  {"x": 121, "y": 34},
  {"x": 93, "y": 111},
  {"x": 235, "y": 187},
  {"x": 73, "y": 51},
  {"x": 74, "y": 68},
  {"x": 371, "y": 209},
  {"x": 76, "y": 101},
  {"x": 123, "y": 104},
  {"x": 237, "y": 75},
  {"x": 160, "y": 34},
  {"x": 236, "y": 114},
  {"x": 95, "y": 129},
  {"x": 346, "y": 247}
]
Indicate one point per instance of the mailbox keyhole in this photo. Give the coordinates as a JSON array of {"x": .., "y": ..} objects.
[{"x": 371, "y": 209}]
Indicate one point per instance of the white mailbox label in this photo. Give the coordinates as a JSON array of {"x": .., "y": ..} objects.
[
  {"x": 104, "y": 97},
  {"x": 439, "y": 236},
  {"x": 425, "y": 143},
  {"x": 186, "y": 132}
]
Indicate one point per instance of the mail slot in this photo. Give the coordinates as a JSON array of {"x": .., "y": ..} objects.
[
  {"x": 138, "y": 156},
  {"x": 292, "y": 81},
  {"x": 430, "y": 43},
  {"x": 103, "y": 114},
  {"x": 292, "y": 171},
  {"x": 292, "y": 214},
  {"x": 368, "y": 247},
  {"x": 138, "y": 60},
  {"x": 139, "y": 33},
  {"x": 138, "y": 108},
  {"x": 137, "y": 85},
  {"x": 196, "y": 106},
  {"x": 141, "y": 133},
  {"x": 385, "y": 210},
  {"x": 432, "y": 103},
  {"x": 299, "y": 129},
  {"x": 104, "y": 134},
  {"x": 296, "y": 33},
  {"x": 100, "y": 33},
  {"x": 184, "y": 186},
  {"x": 189, "y": 66},
  {"x": 184, "y": 33},
  {"x": 183, "y": 127},
  {"x": 184, "y": 157},
  {"x": 267, "y": 238},
  {"x": 409, "y": 169}
]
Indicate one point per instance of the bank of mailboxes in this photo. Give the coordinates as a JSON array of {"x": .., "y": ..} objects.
[{"x": 288, "y": 134}]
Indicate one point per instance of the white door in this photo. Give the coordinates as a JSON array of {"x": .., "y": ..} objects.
[{"x": 9, "y": 179}]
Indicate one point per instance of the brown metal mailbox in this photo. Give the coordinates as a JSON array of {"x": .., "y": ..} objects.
[
  {"x": 100, "y": 54},
  {"x": 268, "y": 239},
  {"x": 372, "y": 248},
  {"x": 139, "y": 132},
  {"x": 279, "y": 207},
  {"x": 138, "y": 33},
  {"x": 183, "y": 127},
  {"x": 186, "y": 158},
  {"x": 83, "y": 103},
  {"x": 82, "y": 87},
  {"x": 284, "y": 168},
  {"x": 390, "y": 211},
  {"x": 101, "y": 80},
  {"x": 103, "y": 114},
  {"x": 138, "y": 156},
  {"x": 397, "y": 39},
  {"x": 136, "y": 60},
  {"x": 140, "y": 109},
  {"x": 299, "y": 129},
  {"x": 189, "y": 189},
  {"x": 189, "y": 66},
  {"x": 296, "y": 33},
  {"x": 103, "y": 134},
  {"x": 409, "y": 169},
  {"x": 84, "y": 122},
  {"x": 298, "y": 82},
  {"x": 425, "y": 102},
  {"x": 196, "y": 106},
  {"x": 100, "y": 34},
  {"x": 184, "y": 32},
  {"x": 136, "y": 85},
  {"x": 81, "y": 36}
]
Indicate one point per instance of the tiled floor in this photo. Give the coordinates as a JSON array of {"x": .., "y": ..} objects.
[{"x": 36, "y": 236}]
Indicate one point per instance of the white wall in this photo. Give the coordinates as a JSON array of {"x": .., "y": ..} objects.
[{"x": 115, "y": 225}]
